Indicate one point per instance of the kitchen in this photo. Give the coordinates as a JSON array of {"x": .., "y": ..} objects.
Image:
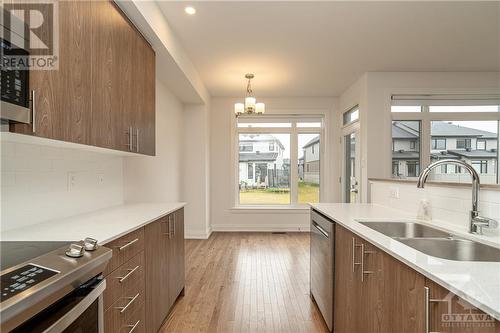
[{"x": 168, "y": 167}]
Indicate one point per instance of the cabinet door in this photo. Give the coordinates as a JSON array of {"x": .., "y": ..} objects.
[
  {"x": 176, "y": 259},
  {"x": 63, "y": 96},
  {"x": 450, "y": 314},
  {"x": 144, "y": 100},
  {"x": 348, "y": 311},
  {"x": 111, "y": 72},
  {"x": 400, "y": 290},
  {"x": 156, "y": 252}
]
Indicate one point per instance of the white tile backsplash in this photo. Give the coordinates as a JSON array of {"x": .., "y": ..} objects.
[
  {"x": 35, "y": 183},
  {"x": 449, "y": 205}
]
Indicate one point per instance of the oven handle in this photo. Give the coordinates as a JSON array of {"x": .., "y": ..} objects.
[{"x": 80, "y": 308}]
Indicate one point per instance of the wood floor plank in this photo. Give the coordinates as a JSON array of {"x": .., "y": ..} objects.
[{"x": 246, "y": 282}]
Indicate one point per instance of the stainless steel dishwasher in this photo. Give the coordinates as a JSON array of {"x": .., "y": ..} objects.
[{"x": 322, "y": 265}]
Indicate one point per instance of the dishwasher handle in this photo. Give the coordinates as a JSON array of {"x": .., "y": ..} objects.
[{"x": 321, "y": 230}]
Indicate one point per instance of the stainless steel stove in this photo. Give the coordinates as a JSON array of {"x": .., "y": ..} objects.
[{"x": 52, "y": 286}]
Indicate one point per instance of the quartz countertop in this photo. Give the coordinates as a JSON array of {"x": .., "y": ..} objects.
[
  {"x": 476, "y": 282},
  {"x": 104, "y": 225}
]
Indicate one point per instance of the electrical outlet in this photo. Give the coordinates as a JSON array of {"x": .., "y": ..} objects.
[
  {"x": 394, "y": 192},
  {"x": 72, "y": 181}
]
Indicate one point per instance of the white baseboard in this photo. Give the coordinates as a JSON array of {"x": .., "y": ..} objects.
[{"x": 261, "y": 227}]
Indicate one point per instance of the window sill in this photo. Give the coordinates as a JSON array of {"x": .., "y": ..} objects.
[{"x": 270, "y": 209}]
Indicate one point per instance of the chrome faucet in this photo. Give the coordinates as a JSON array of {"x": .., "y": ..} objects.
[{"x": 477, "y": 223}]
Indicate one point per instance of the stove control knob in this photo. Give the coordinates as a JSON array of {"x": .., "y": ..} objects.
[
  {"x": 75, "y": 251},
  {"x": 90, "y": 244}
]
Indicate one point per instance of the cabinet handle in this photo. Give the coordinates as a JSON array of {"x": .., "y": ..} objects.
[
  {"x": 363, "y": 253},
  {"x": 128, "y": 244},
  {"x": 354, "y": 246},
  {"x": 124, "y": 308},
  {"x": 33, "y": 111},
  {"x": 130, "y": 139},
  {"x": 137, "y": 139},
  {"x": 427, "y": 302},
  {"x": 130, "y": 272},
  {"x": 133, "y": 326}
]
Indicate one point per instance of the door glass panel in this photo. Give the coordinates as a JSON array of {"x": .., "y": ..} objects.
[
  {"x": 308, "y": 167},
  {"x": 351, "y": 182}
]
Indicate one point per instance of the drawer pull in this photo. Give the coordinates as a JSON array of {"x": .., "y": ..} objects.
[
  {"x": 133, "y": 326},
  {"x": 128, "y": 244},
  {"x": 124, "y": 308},
  {"x": 130, "y": 271}
]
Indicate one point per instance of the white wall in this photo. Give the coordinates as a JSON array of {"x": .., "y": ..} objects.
[
  {"x": 158, "y": 178},
  {"x": 373, "y": 91},
  {"x": 223, "y": 217},
  {"x": 35, "y": 185},
  {"x": 449, "y": 206}
]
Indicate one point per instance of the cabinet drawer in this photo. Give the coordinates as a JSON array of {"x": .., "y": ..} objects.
[
  {"x": 124, "y": 248},
  {"x": 123, "y": 313},
  {"x": 124, "y": 280}
]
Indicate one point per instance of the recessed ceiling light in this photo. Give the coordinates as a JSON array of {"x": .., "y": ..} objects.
[{"x": 190, "y": 10}]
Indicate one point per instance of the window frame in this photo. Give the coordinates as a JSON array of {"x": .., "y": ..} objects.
[
  {"x": 294, "y": 131},
  {"x": 426, "y": 117}
]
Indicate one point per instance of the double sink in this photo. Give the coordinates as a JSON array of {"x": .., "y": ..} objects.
[{"x": 435, "y": 242}]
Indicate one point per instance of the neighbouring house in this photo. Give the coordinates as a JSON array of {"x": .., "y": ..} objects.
[
  {"x": 310, "y": 167},
  {"x": 448, "y": 140},
  {"x": 261, "y": 161}
]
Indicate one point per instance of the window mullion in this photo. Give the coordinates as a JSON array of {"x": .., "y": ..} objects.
[{"x": 294, "y": 179}]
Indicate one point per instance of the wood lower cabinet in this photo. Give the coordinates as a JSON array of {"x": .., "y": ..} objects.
[
  {"x": 375, "y": 292},
  {"x": 164, "y": 251},
  {"x": 103, "y": 93},
  {"x": 145, "y": 276}
]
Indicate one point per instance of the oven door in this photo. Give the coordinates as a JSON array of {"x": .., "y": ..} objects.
[{"x": 80, "y": 311}]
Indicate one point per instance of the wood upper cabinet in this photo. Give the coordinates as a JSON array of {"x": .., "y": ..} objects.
[
  {"x": 63, "y": 96},
  {"x": 104, "y": 91}
]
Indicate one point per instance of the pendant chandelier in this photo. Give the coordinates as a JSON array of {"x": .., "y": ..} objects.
[{"x": 250, "y": 106}]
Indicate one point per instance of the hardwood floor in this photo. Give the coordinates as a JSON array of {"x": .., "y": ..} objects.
[{"x": 246, "y": 282}]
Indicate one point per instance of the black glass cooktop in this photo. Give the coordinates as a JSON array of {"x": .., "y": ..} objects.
[{"x": 15, "y": 253}]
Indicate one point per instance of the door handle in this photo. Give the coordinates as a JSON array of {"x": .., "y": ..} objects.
[{"x": 33, "y": 111}]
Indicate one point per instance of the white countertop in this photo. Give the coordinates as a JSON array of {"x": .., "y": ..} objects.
[
  {"x": 104, "y": 225},
  {"x": 476, "y": 282}
]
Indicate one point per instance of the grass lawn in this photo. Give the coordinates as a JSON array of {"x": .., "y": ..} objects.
[{"x": 307, "y": 193}]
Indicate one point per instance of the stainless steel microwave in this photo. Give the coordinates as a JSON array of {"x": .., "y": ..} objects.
[{"x": 15, "y": 93}]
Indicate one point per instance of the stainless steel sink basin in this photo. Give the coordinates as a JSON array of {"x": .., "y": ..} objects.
[
  {"x": 453, "y": 249},
  {"x": 435, "y": 242},
  {"x": 406, "y": 230}
]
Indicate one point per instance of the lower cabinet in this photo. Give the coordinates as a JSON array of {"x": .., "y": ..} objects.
[
  {"x": 375, "y": 292},
  {"x": 164, "y": 252},
  {"x": 145, "y": 276}
]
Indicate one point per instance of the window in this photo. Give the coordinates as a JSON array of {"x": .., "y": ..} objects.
[
  {"x": 463, "y": 143},
  {"x": 283, "y": 166},
  {"x": 481, "y": 144},
  {"x": 460, "y": 127},
  {"x": 481, "y": 166},
  {"x": 438, "y": 144},
  {"x": 405, "y": 148},
  {"x": 246, "y": 146},
  {"x": 351, "y": 116}
]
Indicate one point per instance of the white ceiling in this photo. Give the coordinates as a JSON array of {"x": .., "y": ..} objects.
[{"x": 320, "y": 48}]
